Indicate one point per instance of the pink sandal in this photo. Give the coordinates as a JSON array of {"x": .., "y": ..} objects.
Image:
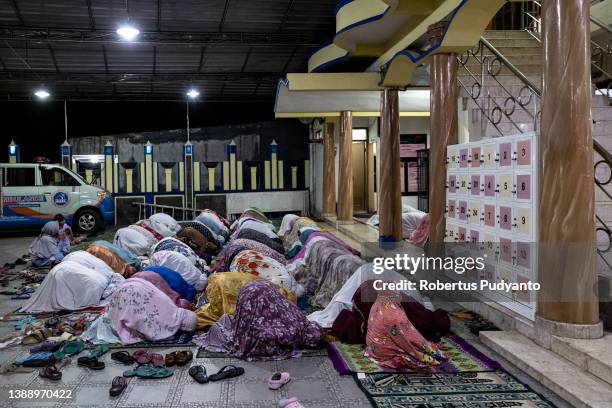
[
  {"x": 290, "y": 403},
  {"x": 278, "y": 380}
]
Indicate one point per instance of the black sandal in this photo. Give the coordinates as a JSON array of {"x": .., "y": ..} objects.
[
  {"x": 91, "y": 363},
  {"x": 229, "y": 371},
  {"x": 123, "y": 357},
  {"x": 51, "y": 372},
  {"x": 198, "y": 373}
]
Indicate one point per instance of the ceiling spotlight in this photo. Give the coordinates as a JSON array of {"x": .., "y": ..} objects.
[
  {"x": 128, "y": 32},
  {"x": 42, "y": 94},
  {"x": 193, "y": 93}
]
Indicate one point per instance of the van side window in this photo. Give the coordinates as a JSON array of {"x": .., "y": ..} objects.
[
  {"x": 19, "y": 177},
  {"x": 57, "y": 177}
]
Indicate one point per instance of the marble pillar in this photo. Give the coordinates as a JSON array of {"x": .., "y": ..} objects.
[
  {"x": 444, "y": 93},
  {"x": 329, "y": 171},
  {"x": 567, "y": 259},
  {"x": 345, "y": 177},
  {"x": 390, "y": 193}
]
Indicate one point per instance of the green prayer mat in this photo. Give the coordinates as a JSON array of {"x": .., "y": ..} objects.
[
  {"x": 462, "y": 357},
  {"x": 449, "y": 390}
]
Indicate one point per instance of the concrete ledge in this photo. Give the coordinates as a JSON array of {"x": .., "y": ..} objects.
[
  {"x": 593, "y": 356},
  {"x": 545, "y": 329},
  {"x": 578, "y": 388}
]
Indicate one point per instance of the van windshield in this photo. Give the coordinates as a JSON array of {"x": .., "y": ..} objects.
[{"x": 55, "y": 176}]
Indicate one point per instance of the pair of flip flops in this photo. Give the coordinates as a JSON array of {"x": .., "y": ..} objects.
[
  {"x": 91, "y": 362},
  {"x": 144, "y": 357},
  {"x": 71, "y": 348},
  {"x": 179, "y": 358},
  {"x": 198, "y": 373},
  {"x": 123, "y": 357},
  {"x": 40, "y": 359},
  {"x": 47, "y": 345},
  {"x": 14, "y": 368},
  {"x": 148, "y": 371},
  {"x": 99, "y": 350},
  {"x": 50, "y": 372},
  {"x": 23, "y": 294},
  {"x": 36, "y": 336}
]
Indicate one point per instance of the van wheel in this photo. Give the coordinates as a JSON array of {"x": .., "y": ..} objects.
[{"x": 87, "y": 221}]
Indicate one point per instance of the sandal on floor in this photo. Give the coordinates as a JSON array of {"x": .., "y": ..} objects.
[
  {"x": 36, "y": 336},
  {"x": 148, "y": 371},
  {"x": 117, "y": 386},
  {"x": 157, "y": 360},
  {"x": 123, "y": 357},
  {"x": 14, "y": 368},
  {"x": 47, "y": 345},
  {"x": 229, "y": 371},
  {"x": 36, "y": 359},
  {"x": 290, "y": 403},
  {"x": 20, "y": 296},
  {"x": 26, "y": 320},
  {"x": 91, "y": 363},
  {"x": 141, "y": 357},
  {"x": 278, "y": 380},
  {"x": 50, "y": 372},
  {"x": 71, "y": 348},
  {"x": 170, "y": 359},
  {"x": 183, "y": 357},
  {"x": 99, "y": 350},
  {"x": 63, "y": 362},
  {"x": 198, "y": 373}
]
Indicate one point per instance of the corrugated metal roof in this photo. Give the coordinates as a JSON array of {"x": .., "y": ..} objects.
[{"x": 232, "y": 49}]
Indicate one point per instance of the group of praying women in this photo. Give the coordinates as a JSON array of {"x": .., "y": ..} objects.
[{"x": 239, "y": 286}]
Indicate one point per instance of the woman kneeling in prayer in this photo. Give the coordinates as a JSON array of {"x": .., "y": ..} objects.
[
  {"x": 266, "y": 326},
  {"x": 392, "y": 341},
  {"x": 47, "y": 248},
  {"x": 71, "y": 286},
  {"x": 139, "y": 311}
]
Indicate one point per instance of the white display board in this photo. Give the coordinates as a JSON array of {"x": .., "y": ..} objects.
[{"x": 492, "y": 188}]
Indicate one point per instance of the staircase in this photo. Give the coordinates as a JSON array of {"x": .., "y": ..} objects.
[
  {"x": 500, "y": 83},
  {"x": 508, "y": 67}
]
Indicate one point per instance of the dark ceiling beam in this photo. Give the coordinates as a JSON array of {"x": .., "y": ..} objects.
[
  {"x": 159, "y": 15},
  {"x": 42, "y": 34},
  {"x": 15, "y": 76},
  {"x": 224, "y": 15},
  {"x": 52, "y": 53},
  {"x": 82, "y": 96},
  {"x": 285, "y": 15},
  {"x": 92, "y": 20},
  {"x": 201, "y": 64},
  {"x": 246, "y": 59},
  {"x": 17, "y": 11},
  {"x": 106, "y": 70},
  {"x": 286, "y": 66}
]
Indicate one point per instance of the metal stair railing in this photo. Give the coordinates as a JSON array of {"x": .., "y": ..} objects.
[
  {"x": 528, "y": 99},
  {"x": 599, "y": 53}
]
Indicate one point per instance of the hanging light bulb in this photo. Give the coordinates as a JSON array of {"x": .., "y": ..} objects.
[
  {"x": 42, "y": 94},
  {"x": 128, "y": 32},
  {"x": 193, "y": 93}
]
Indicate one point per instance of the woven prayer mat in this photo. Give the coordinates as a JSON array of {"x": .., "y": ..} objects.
[
  {"x": 449, "y": 390},
  {"x": 463, "y": 357},
  {"x": 202, "y": 353}
]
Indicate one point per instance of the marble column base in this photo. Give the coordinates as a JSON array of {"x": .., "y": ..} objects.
[{"x": 545, "y": 329}]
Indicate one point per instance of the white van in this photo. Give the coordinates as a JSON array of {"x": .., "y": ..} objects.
[{"x": 32, "y": 194}]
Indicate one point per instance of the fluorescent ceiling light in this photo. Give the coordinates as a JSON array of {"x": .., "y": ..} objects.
[
  {"x": 42, "y": 94},
  {"x": 128, "y": 32},
  {"x": 193, "y": 93}
]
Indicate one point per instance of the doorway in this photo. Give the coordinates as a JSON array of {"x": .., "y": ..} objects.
[{"x": 360, "y": 168}]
